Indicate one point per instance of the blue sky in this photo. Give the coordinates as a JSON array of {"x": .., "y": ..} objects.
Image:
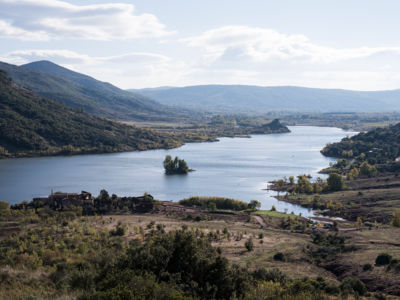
[{"x": 147, "y": 43}]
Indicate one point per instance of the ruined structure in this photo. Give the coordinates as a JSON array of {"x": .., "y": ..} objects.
[
  {"x": 90, "y": 205},
  {"x": 58, "y": 201}
]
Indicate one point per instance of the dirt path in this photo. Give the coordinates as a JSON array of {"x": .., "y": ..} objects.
[{"x": 260, "y": 221}]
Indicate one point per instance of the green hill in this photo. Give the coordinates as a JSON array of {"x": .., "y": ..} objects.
[
  {"x": 33, "y": 125},
  {"x": 83, "y": 92},
  {"x": 380, "y": 145}
]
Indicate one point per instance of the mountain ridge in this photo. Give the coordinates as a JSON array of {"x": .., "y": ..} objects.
[
  {"x": 262, "y": 99},
  {"x": 84, "y": 92}
]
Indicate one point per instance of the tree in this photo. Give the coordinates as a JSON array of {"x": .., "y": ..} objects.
[
  {"x": 249, "y": 244},
  {"x": 335, "y": 182},
  {"x": 175, "y": 166},
  {"x": 353, "y": 173},
  {"x": 254, "y": 204},
  {"x": 367, "y": 170},
  {"x": 212, "y": 206},
  {"x": 182, "y": 166},
  {"x": 104, "y": 195}
]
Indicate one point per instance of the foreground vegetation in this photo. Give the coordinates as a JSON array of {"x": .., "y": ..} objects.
[{"x": 169, "y": 254}]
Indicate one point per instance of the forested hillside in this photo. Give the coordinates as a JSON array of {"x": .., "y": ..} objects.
[
  {"x": 380, "y": 145},
  {"x": 32, "y": 125},
  {"x": 83, "y": 92}
]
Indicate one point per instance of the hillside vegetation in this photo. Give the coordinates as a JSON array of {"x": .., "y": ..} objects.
[
  {"x": 366, "y": 175},
  {"x": 380, "y": 145},
  {"x": 32, "y": 125},
  {"x": 83, "y": 92}
]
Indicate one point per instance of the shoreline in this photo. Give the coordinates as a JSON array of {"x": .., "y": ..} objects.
[{"x": 91, "y": 151}]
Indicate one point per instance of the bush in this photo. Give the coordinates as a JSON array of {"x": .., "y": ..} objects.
[
  {"x": 279, "y": 256},
  {"x": 249, "y": 245},
  {"x": 274, "y": 275},
  {"x": 352, "y": 285},
  {"x": 367, "y": 267},
  {"x": 4, "y": 205},
  {"x": 379, "y": 296},
  {"x": 118, "y": 231},
  {"x": 383, "y": 259},
  {"x": 220, "y": 203}
]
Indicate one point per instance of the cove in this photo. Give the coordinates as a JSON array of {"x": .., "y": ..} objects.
[{"x": 237, "y": 168}]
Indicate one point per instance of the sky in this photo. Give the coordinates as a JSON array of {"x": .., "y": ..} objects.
[{"x": 348, "y": 44}]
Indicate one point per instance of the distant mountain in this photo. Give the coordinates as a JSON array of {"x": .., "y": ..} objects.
[
  {"x": 83, "y": 92},
  {"x": 32, "y": 125},
  {"x": 257, "y": 99}
]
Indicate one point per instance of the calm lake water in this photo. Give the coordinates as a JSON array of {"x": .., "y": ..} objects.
[{"x": 233, "y": 167}]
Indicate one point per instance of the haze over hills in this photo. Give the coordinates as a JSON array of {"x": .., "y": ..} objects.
[
  {"x": 257, "y": 99},
  {"x": 33, "y": 125},
  {"x": 83, "y": 92}
]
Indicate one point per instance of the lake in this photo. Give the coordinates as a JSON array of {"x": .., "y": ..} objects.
[{"x": 233, "y": 167}]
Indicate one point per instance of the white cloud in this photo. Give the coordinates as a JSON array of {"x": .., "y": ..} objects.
[
  {"x": 53, "y": 19},
  {"x": 72, "y": 57},
  {"x": 235, "y": 55},
  {"x": 260, "y": 45},
  {"x": 129, "y": 70}
]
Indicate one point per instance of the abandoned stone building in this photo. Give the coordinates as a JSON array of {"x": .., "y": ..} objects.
[{"x": 59, "y": 200}]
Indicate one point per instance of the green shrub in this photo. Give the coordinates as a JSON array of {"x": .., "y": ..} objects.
[
  {"x": 118, "y": 231},
  {"x": 383, "y": 259},
  {"x": 220, "y": 203},
  {"x": 249, "y": 244},
  {"x": 352, "y": 285},
  {"x": 279, "y": 256},
  {"x": 367, "y": 267}
]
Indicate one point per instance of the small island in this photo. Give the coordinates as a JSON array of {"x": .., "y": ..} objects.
[{"x": 175, "y": 166}]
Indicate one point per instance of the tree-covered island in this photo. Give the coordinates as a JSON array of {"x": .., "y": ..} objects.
[{"x": 175, "y": 166}]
